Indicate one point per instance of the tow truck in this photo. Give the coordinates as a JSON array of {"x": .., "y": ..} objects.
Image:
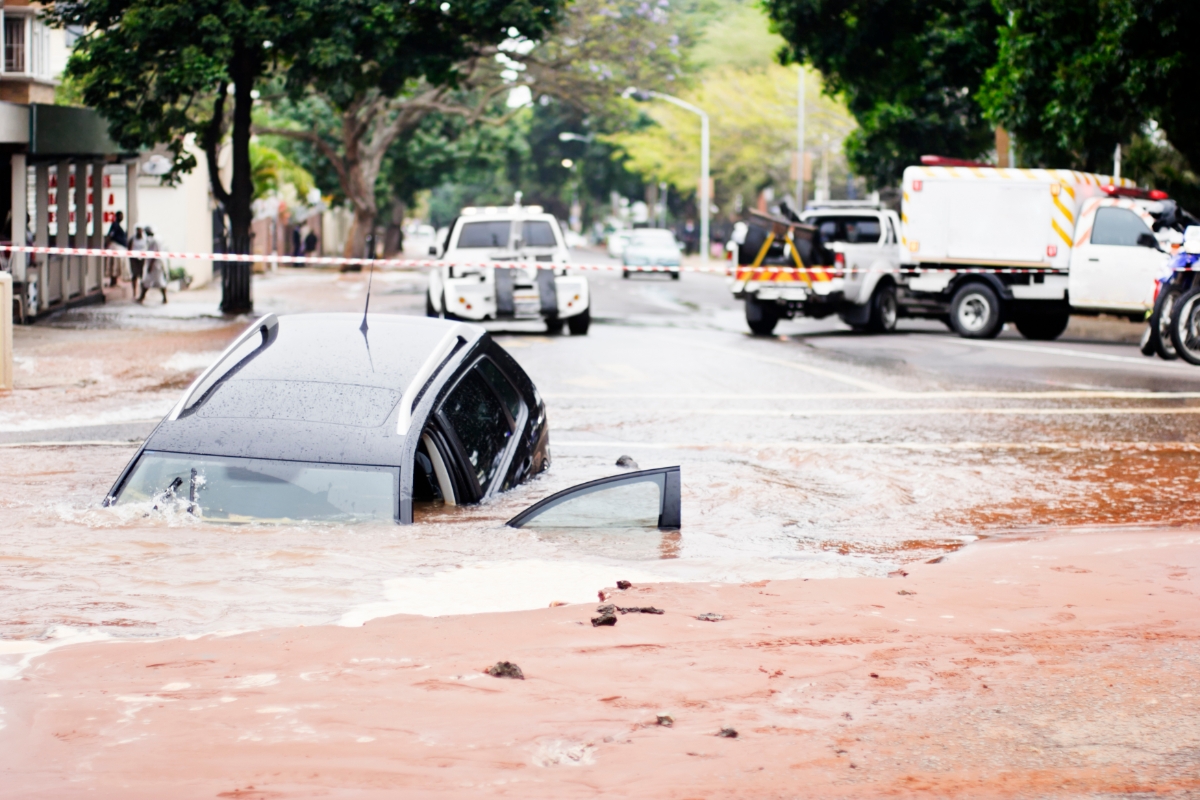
[
  {"x": 475, "y": 283},
  {"x": 790, "y": 265}
]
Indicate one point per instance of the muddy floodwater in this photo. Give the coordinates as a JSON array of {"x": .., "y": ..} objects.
[{"x": 803, "y": 456}]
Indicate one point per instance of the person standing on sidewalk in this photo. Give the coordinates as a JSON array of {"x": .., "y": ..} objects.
[
  {"x": 156, "y": 270},
  {"x": 116, "y": 236},
  {"x": 136, "y": 264}
]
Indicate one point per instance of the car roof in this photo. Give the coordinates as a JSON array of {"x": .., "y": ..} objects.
[{"x": 318, "y": 390}]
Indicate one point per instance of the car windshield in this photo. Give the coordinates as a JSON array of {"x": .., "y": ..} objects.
[
  {"x": 484, "y": 234},
  {"x": 250, "y": 489},
  {"x": 653, "y": 238}
]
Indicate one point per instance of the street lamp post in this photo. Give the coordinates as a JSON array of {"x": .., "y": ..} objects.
[{"x": 705, "y": 200}]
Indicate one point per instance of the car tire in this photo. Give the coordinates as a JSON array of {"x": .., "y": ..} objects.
[
  {"x": 554, "y": 326},
  {"x": 884, "y": 309},
  {"x": 674, "y": 274},
  {"x": 625, "y": 274},
  {"x": 1045, "y": 327},
  {"x": 1185, "y": 326},
  {"x": 975, "y": 312},
  {"x": 579, "y": 324},
  {"x": 1157, "y": 340},
  {"x": 761, "y": 317}
]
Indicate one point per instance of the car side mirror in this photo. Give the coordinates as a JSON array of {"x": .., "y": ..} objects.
[
  {"x": 433, "y": 250},
  {"x": 1147, "y": 240}
]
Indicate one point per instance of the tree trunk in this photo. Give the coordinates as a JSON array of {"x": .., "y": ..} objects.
[{"x": 235, "y": 285}]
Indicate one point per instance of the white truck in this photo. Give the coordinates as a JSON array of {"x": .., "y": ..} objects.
[
  {"x": 981, "y": 246},
  {"x": 470, "y": 285},
  {"x": 775, "y": 285}
]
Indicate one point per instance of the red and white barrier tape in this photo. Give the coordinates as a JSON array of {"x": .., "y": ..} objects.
[{"x": 722, "y": 268}]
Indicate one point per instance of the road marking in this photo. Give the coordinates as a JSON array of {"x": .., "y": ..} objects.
[
  {"x": 783, "y": 362},
  {"x": 1186, "y": 447},
  {"x": 908, "y": 412},
  {"x": 1062, "y": 351},
  {"x": 1068, "y": 394}
]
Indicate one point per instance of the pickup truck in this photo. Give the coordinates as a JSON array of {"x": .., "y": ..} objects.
[
  {"x": 981, "y": 246},
  {"x": 864, "y": 297}
]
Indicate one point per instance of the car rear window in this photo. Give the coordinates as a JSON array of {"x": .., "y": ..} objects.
[
  {"x": 538, "y": 233},
  {"x": 484, "y": 234},
  {"x": 482, "y": 427},
  {"x": 854, "y": 230}
]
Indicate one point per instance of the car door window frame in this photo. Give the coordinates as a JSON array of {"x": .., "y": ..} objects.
[
  {"x": 669, "y": 518},
  {"x": 454, "y": 446}
]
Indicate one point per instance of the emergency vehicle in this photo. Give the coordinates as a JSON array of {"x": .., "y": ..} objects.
[
  {"x": 788, "y": 266},
  {"x": 505, "y": 263},
  {"x": 982, "y": 246}
]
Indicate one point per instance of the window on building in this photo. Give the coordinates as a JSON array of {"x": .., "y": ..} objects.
[{"x": 14, "y": 44}]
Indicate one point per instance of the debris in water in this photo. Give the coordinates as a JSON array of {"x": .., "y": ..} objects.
[
  {"x": 874, "y": 674},
  {"x": 905, "y": 591},
  {"x": 557, "y": 603},
  {"x": 640, "y": 610},
  {"x": 727, "y": 733},
  {"x": 937, "y": 560},
  {"x": 608, "y": 609},
  {"x": 897, "y": 573},
  {"x": 665, "y": 720},
  {"x": 601, "y": 593},
  {"x": 627, "y": 462},
  {"x": 623, "y": 585},
  {"x": 505, "y": 669},
  {"x": 604, "y": 619},
  {"x": 710, "y": 617}
]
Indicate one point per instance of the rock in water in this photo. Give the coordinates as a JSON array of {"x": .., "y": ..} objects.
[
  {"x": 604, "y": 619},
  {"x": 727, "y": 733},
  {"x": 623, "y": 585},
  {"x": 627, "y": 462},
  {"x": 506, "y": 669}
]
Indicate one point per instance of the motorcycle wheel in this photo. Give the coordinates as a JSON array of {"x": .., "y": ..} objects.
[
  {"x": 1157, "y": 340},
  {"x": 1185, "y": 326}
]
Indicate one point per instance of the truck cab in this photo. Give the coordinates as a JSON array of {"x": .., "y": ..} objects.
[{"x": 507, "y": 264}]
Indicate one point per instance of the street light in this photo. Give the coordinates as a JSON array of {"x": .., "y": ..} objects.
[{"x": 642, "y": 96}]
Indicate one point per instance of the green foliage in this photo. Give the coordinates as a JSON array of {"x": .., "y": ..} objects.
[
  {"x": 909, "y": 72},
  {"x": 273, "y": 173},
  {"x": 1074, "y": 79}
]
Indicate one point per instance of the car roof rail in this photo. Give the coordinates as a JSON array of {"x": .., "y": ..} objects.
[
  {"x": 436, "y": 359},
  {"x": 266, "y": 326}
]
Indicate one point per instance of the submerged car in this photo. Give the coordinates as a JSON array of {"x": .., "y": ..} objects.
[
  {"x": 316, "y": 417},
  {"x": 652, "y": 247}
]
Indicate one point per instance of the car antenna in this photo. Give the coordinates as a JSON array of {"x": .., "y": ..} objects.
[{"x": 363, "y": 328}]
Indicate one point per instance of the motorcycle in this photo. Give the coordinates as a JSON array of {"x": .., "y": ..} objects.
[{"x": 1184, "y": 322}]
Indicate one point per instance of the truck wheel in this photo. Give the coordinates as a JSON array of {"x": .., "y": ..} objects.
[
  {"x": 579, "y": 324},
  {"x": 675, "y": 275},
  {"x": 624, "y": 274},
  {"x": 975, "y": 312},
  {"x": 1185, "y": 326},
  {"x": 884, "y": 310},
  {"x": 554, "y": 325},
  {"x": 1157, "y": 339},
  {"x": 430, "y": 311},
  {"x": 1044, "y": 328},
  {"x": 761, "y": 317}
]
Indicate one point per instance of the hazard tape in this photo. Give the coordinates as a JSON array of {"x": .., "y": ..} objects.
[{"x": 725, "y": 268}]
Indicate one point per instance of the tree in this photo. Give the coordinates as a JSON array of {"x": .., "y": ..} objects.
[
  {"x": 1072, "y": 80},
  {"x": 355, "y": 91},
  {"x": 161, "y": 70},
  {"x": 909, "y": 70}
]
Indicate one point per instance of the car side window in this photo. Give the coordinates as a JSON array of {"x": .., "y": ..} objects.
[
  {"x": 481, "y": 423},
  {"x": 1117, "y": 226}
]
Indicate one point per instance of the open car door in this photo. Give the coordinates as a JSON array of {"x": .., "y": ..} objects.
[{"x": 646, "y": 499}]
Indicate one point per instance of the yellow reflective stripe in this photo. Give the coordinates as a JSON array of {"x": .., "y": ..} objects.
[
  {"x": 762, "y": 252},
  {"x": 1060, "y": 232},
  {"x": 1070, "y": 217},
  {"x": 1069, "y": 190}
]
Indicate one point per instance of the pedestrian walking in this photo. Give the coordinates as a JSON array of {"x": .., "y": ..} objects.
[
  {"x": 310, "y": 242},
  {"x": 156, "y": 270},
  {"x": 116, "y": 237},
  {"x": 136, "y": 265}
]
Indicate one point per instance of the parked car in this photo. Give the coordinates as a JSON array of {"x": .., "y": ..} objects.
[
  {"x": 314, "y": 417},
  {"x": 651, "y": 248}
]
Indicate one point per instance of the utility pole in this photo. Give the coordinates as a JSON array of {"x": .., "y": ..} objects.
[
  {"x": 1117, "y": 162},
  {"x": 800, "y": 145}
]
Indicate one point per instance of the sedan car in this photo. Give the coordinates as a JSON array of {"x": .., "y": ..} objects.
[
  {"x": 651, "y": 247},
  {"x": 319, "y": 417}
]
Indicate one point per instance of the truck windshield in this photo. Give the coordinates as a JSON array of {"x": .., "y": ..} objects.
[
  {"x": 251, "y": 489},
  {"x": 484, "y": 234}
]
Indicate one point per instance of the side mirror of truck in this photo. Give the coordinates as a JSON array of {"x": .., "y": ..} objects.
[
  {"x": 1147, "y": 240},
  {"x": 433, "y": 250}
]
